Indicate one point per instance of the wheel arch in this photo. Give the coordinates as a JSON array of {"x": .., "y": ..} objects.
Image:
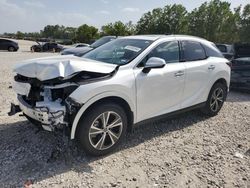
[
  {"x": 219, "y": 80},
  {"x": 97, "y": 100},
  {"x": 222, "y": 81}
]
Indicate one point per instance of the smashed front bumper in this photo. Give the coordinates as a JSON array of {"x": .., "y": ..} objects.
[{"x": 50, "y": 115}]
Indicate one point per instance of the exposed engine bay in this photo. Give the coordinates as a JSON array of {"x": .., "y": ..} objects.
[{"x": 47, "y": 103}]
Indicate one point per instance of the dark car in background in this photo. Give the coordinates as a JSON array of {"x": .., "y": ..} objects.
[
  {"x": 9, "y": 45},
  {"x": 80, "y": 51},
  {"x": 240, "y": 75},
  {"x": 46, "y": 47},
  {"x": 226, "y": 50}
]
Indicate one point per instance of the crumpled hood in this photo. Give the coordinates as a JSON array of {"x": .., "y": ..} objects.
[{"x": 60, "y": 66}]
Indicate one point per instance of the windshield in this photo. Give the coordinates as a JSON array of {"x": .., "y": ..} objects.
[
  {"x": 101, "y": 41},
  {"x": 119, "y": 51}
]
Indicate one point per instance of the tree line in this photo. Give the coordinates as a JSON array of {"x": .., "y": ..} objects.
[{"x": 213, "y": 20}]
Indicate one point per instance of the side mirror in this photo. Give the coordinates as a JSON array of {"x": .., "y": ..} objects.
[{"x": 153, "y": 63}]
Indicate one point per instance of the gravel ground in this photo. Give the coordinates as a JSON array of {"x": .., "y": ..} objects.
[{"x": 186, "y": 151}]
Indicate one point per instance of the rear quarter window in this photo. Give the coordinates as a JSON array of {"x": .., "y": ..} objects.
[{"x": 212, "y": 51}]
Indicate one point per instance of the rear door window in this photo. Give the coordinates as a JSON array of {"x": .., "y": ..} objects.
[{"x": 192, "y": 51}]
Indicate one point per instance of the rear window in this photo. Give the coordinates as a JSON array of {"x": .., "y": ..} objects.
[{"x": 192, "y": 51}]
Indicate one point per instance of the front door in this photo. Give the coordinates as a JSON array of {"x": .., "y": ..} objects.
[{"x": 160, "y": 90}]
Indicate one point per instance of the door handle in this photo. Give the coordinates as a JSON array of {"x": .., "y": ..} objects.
[
  {"x": 211, "y": 67},
  {"x": 179, "y": 73}
]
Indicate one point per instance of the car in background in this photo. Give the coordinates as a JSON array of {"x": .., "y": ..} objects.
[
  {"x": 46, "y": 47},
  {"x": 83, "y": 50},
  {"x": 226, "y": 50},
  {"x": 240, "y": 78},
  {"x": 77, "y": 45},
  {"x": 6, "y": 44}
]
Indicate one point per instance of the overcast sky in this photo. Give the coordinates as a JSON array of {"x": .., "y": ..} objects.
[{"x": 33, "y": 15}]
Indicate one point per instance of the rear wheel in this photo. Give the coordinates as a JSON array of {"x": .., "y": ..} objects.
[
  {"x": 11, "y": 49},
  {"x": 216, "y": 99},
  {"x": 102, "y": 129}
]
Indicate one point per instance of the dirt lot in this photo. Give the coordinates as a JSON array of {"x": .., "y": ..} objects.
[{"x": 187, "y": 151}]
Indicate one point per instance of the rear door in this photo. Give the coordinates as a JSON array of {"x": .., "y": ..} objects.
[{"x": 199, "y": 72}]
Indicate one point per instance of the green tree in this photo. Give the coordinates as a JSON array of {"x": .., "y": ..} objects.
[
  {"x": 170, "y": 19},
  {"x": 86, "y": 33},
  {"x": 245, "y": 24},
  {"x": 118, "y": 29},
  {"x": 215, "y": 21},
  {"x": 19, "y": 35},
  {"x": 70, "y": 33}
]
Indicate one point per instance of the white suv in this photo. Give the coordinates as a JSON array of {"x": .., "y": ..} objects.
[{"x": 101, "y": 95}]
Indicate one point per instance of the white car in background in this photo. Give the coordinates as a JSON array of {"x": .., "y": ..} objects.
[{"x": 127, "y": 81}]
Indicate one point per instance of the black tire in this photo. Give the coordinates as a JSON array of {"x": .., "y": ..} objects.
[
  {"x": 37, "y": 50},
  {"x": 210, "y": 108},
  {"x": 11, "y": 49},
  {"x": 58, "y": 50},
  {"x": 88, "y": 139}
]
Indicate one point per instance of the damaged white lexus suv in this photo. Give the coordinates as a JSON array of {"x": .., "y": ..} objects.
[{"x": 97, "y": 98}]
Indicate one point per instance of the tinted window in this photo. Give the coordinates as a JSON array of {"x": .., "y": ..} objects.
[
  {"x": 4, "y": 41},
  {"x": 169, "y": 51},
  {"x": 53, "y": 45},
  {"x": 211, "y": 51},
  {"x": 222, "y": 48},
  {"x": 242, "y": 50},
  {"x": 192, "y": 51}
]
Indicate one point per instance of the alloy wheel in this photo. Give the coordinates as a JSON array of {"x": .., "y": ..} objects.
[
  {"x": 105, "y": 130},
  {"x": 217, "y": 99}
]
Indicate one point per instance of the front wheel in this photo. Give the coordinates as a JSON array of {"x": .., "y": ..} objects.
[
  {"x": 102, "y": 129},
  {"x": 216, "y": 99}
]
